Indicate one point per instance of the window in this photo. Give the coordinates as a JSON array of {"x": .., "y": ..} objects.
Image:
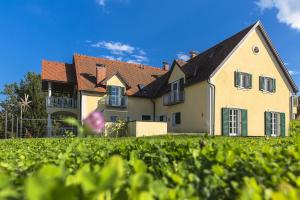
[
  {"x": 275, "y": 124},
  {"x": 267, "y": 84},
  {"x": 163, "y": 118},
  {"x": 113, "y": 118},
  {"x": 146, "y": 117},
  {"x": 115, "y": 96},
  {"x": 295, "y": 101},
  {"x": 235, "y": 122},
  {"x": 176, "y": 118},
  {"x": 243, "y": 80}
]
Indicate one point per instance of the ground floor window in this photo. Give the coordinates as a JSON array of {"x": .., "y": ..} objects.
[
  {"x": 163, "y": 118},
  {"x": 146, "y": 117},
  {"x": 176, "y": 119},
  {"x": 234, "y": 122},
  {"x": 275, "y": 124},
  {"x": 113, "y": 118}
]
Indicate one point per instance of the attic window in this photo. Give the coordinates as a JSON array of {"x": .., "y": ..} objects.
[
  {"x": 255, "y": 50},
  {"x": 155, "y": 76}
]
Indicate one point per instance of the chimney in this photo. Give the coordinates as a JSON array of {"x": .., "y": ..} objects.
[
  {"x": 166, "y": 66},
  {"x": 100, "y": 73},
  {"x": 193, "y": 54}
]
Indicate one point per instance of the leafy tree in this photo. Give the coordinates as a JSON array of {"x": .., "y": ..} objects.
[{"x": 32, "y": 86}]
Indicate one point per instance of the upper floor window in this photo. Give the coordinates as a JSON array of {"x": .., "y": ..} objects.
[
  {"x": 116, "y": 96},
  {"x": 267, "y": 84},
  {"x": 243, "y": 80}
]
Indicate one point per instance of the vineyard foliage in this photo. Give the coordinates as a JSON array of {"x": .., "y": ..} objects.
[{"x": 182, "y": 167}]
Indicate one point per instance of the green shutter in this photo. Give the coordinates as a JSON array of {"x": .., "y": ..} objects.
[
  {"x": 108, "y": 90},
  {"x": 244, "y": 122},
  {"x": 250, "y": 81},
  {"x": 274, "y": 85},
  {"x": 261, "y": 83},
  {"x": 237, "y": 79},
  {"x": 225, "y": 121},
  {"x": 268, "y": 124},
  {"x": 122, "y": 91},
  {"x": 282, "y": 124},
  {"x": 181, "y": 83}
]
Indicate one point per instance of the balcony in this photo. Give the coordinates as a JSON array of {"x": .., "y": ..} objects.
[
  {"x": 61, "y": 102},
  {"x": 174, "y": 97},
  {"x": 114, "y": 101}
]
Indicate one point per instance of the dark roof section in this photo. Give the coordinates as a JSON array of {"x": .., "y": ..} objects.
[{"x": 203, "y": 65}]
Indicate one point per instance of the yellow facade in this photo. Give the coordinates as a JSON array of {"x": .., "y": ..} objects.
[
  {"x": 135, "y": 109},
  {"x": 254, "y": 100},
  {"x": 194, "y": 110},
  {"x": 201, "y": 109}
]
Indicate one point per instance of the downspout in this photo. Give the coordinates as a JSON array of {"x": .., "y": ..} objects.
[
  {"x": 154, "y": 113},
  {"x": 212, "y": 103}
]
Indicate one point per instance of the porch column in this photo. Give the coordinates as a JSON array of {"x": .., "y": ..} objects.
[
  {"x": 49, "y": 89},
  {"x": 49, "y": 126}
]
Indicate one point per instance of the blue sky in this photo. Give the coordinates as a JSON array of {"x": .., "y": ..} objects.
[{"x": 143, "y": 31}]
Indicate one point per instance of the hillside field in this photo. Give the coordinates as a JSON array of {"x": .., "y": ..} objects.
[{"x": 171, "y": 167}]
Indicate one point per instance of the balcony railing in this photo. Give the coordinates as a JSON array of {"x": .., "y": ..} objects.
[
  {"x": 114, "y": 101},
  {"x": 61, "y": 102},
  {"x": 173, "y": 97}
]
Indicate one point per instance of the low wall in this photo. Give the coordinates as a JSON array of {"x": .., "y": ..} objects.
[{"x": 144, "y": 129}]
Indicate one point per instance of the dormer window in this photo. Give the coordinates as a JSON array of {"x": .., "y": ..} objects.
[{"x": 116, "y": 96}]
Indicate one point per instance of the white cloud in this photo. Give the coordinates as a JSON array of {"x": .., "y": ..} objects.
[
  {"x": 183, "y": 56},
  {"x": 138, "y": 59},
  {"x": 121, "y": 51},
  {"x": 294, "y": 73},
  {"x": 288, "y": 11},
  {"x": 101, "y": 2},
  {"x": 116, "y": 48}
]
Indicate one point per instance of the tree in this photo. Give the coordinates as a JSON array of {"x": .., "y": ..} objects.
[{"x": 32, "y": 86}]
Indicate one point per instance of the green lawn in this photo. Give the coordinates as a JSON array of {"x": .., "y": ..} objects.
[{"x": 170, "y": 167}]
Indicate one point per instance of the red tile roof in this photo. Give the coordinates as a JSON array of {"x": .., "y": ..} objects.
[
  {"x": 58, "y": 72},
  {"x": 133, "y": 74}
]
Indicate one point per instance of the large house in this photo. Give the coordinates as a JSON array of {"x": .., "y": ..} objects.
[{"x": 239, "y": 87}]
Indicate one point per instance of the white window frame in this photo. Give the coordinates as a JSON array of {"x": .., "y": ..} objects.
[
  {"x": 115, "y": 96},
  {"x": 244, "y": 80},
  {"x": 235, "y": 122},
  {"x": 175, "y": 92},
  {"x": 275, "y": 124},
  {"x": 267, "y": 84}
]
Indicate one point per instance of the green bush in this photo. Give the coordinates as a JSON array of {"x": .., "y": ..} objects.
[
  {"x": 295, "y": 128},
  {"x": 151, "y": 168}
]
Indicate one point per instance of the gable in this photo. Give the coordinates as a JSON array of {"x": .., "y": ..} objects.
[
  {"x": 115, "y": 81},
  {"x": 243, "y": 59},
  {"x": 176, "y": 74}
]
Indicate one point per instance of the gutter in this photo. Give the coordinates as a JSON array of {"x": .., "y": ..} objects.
[
  {"x": 212, "y": 103},
  {"x": 154, "y": 111}
]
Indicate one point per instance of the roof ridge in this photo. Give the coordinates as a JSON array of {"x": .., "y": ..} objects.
[
  {"x": 118, "y": 61},
  {"x": 224, "y": 40}
]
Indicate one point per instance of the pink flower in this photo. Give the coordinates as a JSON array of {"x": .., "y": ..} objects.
[{"x": 95, "y": 121}]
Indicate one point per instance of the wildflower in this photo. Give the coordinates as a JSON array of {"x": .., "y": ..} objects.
[{"x": 95, "y": 121}]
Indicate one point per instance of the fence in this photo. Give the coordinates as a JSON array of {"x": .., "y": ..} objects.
[{"x": 34, "y": 128}]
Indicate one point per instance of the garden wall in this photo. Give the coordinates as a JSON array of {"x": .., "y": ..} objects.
[{"x": 144, "y": 129}]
